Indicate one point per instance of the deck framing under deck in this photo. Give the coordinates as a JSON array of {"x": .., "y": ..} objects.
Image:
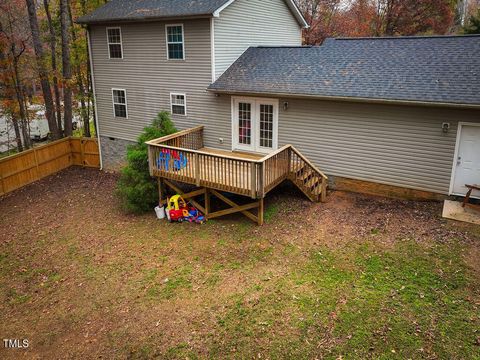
[{"x": 233, "y": 208}]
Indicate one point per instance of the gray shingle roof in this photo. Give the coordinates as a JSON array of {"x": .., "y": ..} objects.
[
  {"x": 438, "y": 69},
  {"x": 138, "y": 10}
]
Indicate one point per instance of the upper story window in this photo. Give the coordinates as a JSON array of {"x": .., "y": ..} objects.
[
  {"x": 178, "y": 104},
  {"x": 175, "y": 44},
  {"x": 114, "y": 38},
  {"x": 120, "y": 103}
]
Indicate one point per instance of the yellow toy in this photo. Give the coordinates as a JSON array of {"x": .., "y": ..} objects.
[{"x": 176, "y": 208}]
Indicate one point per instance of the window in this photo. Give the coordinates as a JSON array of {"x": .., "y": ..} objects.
[
  {"x": 114, "y": 37},
  {"x": 266, "y": 125},
  {"x": 178, "y": 104},
  {"x": 119, "y": 103},
  {"x": 175, "y": 46},
  {"x": 245, "y": 123}
]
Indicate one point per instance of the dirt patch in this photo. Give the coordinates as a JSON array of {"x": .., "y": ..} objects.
[{"x": 81, "y": 279}]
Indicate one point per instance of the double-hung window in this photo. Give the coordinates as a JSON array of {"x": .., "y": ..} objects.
[
  {"x": 120, "y": 103},
  {"x": 114, "y": 37},
  {"x": 178, "y": 104},
  {"x": 175, "y": 42}
]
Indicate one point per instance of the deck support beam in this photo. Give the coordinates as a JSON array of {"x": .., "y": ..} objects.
[
  {"x": 188, "y": 196},
  {"x": 161, "y": 192},
  {"x": 207, "y": 193}
]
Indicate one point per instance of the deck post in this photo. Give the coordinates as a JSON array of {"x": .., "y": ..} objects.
[
  {"x": 261, "y": 180},
  {"x": 207, "y": 201},
  {"x": 161, "y": 191},
  {"x": 260, "y": 212},
  {"x": 197, "y": 169},
  {"x": 323, "y": 194},
  {"x": 253, "y": 183}
]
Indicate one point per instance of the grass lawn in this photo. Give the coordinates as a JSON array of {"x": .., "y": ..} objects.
[{"x": 358, "y": 277}]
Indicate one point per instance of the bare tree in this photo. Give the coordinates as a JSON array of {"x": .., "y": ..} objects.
[
  {"x": 66, "y": 66},
  {"x": 13, "y": 40},
  {"x": 79, "y": 79},
  {"x": 42, "y": 71},
  {"x": 53, "y": 58}
]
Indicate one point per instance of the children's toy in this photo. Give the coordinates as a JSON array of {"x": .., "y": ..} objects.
[
  {"x": 195, "y": 216},
  {"x": 176, "y": 206},
  {"x": 179, "y": 210},
  {"x": 171, "y": 160}
]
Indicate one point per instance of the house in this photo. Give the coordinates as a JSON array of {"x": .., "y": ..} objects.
[{"x": 396, "y": 115}]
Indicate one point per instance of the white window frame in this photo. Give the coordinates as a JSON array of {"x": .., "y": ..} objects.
[
  {"x": 114, "y": 103},
  {"x": 184, "y": 103},
  {"x": 167, "y": 43},
  {"x": 255, "y": 144},
  {"x": 109, "y": 43}
]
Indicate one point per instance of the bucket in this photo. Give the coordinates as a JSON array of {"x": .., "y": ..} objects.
[{"x": 160, "y": 211}]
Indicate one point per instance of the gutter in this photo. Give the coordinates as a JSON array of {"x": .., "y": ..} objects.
[
  {"x": 94, "y": 97},
  {"x": 350, "y": 99}
]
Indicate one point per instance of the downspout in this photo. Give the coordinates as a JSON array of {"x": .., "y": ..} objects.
[{"x": 94, "y": 96}]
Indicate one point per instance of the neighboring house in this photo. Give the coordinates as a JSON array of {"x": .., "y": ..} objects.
[{"x": 394, "y": 111}]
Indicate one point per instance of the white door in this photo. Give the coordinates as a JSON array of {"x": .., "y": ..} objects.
[
  {"x": 255, "y": 124},
  {"x": 467, "y": 162}
]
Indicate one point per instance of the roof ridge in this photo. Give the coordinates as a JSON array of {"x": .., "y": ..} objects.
[{"x": 404, "y": 37}]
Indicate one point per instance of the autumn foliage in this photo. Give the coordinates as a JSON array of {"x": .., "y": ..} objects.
[{"x": 334, "y": 18}]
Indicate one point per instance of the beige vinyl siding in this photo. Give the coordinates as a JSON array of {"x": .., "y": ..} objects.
[
  {"x": 396, "y": 145},
  {"x": 251, "y": 23},
  {"x": 149, "y": 78}
]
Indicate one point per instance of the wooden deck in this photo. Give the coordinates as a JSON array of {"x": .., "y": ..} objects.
[{"x": 183, "y": 157}]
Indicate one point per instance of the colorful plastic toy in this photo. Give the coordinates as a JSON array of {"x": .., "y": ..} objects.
[
  {"x": 178, "y": 210},
  {"x": 176, "y": 206},
  {"x": 171, "y": 160}
]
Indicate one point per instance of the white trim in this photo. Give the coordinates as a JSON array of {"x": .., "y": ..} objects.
[
  {"x": 184, "y": 103},
  {"x": 212, "y": 47},
  {"x": 221, "y": 8},
  {"x": 113, "y": 104},
  {"x": 255, "y": 131},
  {"x": 183, "y": 41},
  {"x": 94, "y": 97},
  {"x": 290, "y": 3},
  {"x": 455, "y": 155},
  {"x": 108, "y": 42}
]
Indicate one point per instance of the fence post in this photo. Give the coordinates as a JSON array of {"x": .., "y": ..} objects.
[
  {"x": 1, "y": 183},
  {"x": 82, "y": 151},
  {"x": 37, "y": 171}
]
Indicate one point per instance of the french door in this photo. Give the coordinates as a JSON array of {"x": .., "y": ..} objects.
[{"x": 255, "y": 124}]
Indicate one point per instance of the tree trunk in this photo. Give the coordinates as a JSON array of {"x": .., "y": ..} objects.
[
  {"x": 79, "y": 80},
  {"x": 53, "y": 56},
  {"x": 42, "y": 71},
  {"x": 67, "y": 71},
  {"x": 16, "y": 128},
  {"x": 21, "y": 103}
]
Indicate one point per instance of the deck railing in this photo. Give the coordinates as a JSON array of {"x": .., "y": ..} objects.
[{"x": 179, "y": 157}]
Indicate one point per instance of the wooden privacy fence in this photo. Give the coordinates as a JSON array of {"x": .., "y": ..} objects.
[{"x": 34, "y": 164}]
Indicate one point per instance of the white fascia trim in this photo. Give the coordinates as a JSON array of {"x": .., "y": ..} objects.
[
  {"x": 290, "y": 3},
  {"x": 217, "y": 12},
  {"x": 212, "y": 47},
  {"x": 94, "y": 96}
]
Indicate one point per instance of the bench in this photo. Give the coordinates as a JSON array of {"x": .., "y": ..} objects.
[{"x": 467, "y": 197}]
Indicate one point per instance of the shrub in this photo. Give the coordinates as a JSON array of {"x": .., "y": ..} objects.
[{"x": 136, "y": 189}]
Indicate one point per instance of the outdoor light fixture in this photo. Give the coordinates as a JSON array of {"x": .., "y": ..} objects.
[
  {"x": 445, "y": 127},
  {"x": 285, "y": 106}
]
